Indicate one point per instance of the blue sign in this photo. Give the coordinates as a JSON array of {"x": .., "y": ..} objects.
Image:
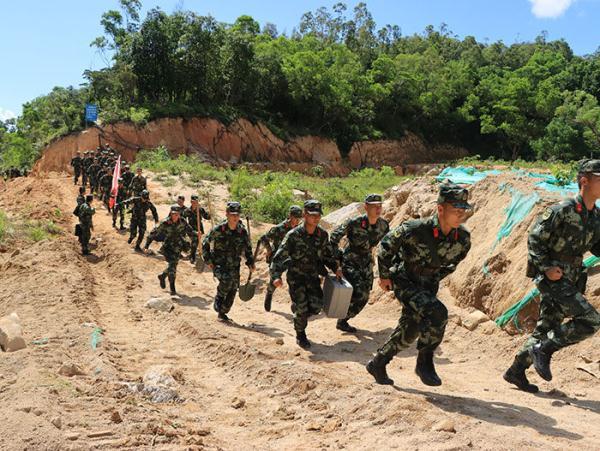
[{"x": 91, "y": 112}]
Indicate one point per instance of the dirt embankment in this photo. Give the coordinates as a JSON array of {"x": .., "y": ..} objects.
[{"x": 243, "y": 142}]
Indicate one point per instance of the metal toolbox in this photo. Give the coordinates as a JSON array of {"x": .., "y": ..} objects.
[{"x": 336, "y": 297}]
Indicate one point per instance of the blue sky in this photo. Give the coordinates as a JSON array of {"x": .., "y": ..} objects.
[{"x": 45, "y": 43}]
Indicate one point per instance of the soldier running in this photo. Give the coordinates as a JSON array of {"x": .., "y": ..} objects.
[
  {"x": 194, "y": 216},
  {"x": 141, "y": 205},
  {"x": 413, "y": 259}
]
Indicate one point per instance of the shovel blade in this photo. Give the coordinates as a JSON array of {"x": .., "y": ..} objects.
[
  {"x": 246, "y": 292},
  {"x": 200, "y": 265}
]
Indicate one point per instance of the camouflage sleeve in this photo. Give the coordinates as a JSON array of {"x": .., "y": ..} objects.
[
  {"x": 390, "y": 246},
  {"x": 336, "y": 237},
  {"x": 205, "y": 214},
  {"x": 539, "y": 239},
  {"x": 154, "y": 212},
  {"x": 330, "y": 256},
  {"x": 268, "y": 238},
  {"x": 206, "y": 252},
  {"x": 596, "y": 249},
  {"x": 278, "y": 265}
]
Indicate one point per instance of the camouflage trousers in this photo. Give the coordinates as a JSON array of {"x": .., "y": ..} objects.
[
  {"x": 84, "y": 237},
  {"x": 194, "y": 244},
  {"x": 229, "y": 282},
  {"x": 424, "y": 317},
  {"x": 76, "y": 174},
  {"x": 172, "y": 259},
  {"x": 360, "y": 276},
  {"x": 118, "y": 210},
  {"x": 307, "y": 298},
  {"x": 84, "y": 178},
  {"x": 137, "y": 228},
  {"x": 559, "y": 300}
]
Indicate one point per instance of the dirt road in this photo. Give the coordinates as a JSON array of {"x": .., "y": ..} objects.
[{"x": 246, "y": 385}]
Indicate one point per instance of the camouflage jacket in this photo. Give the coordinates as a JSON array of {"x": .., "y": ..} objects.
[
  {"x": 106, "y": 182},
  {"x": 561, "y": 236},
  {"x": 273, "y": 238},
  {"x": 121, "y": 195},
  {"x": 140, "y": 208},
  {"x": 85, "y": 213},
  {"x": 127, "y": 178},
  {"x": 80, "y": 199},
  {"x": 303, "y": 254},
  {"x": 362, "y": 238},
  {"x": 86, "y": 162},
  {"x": 76, "y": 162},
  {"x": 417, "y": 251},
  {"x": 191, "y": 217},
  {"x": 227, "y": 246},
  {"x": 93, "y": 170},
  {"x": 174, "y": 234},
  {"x": 137, "y": 185}
]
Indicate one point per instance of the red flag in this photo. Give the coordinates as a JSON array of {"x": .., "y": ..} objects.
[{"x": 115, "y": 183}]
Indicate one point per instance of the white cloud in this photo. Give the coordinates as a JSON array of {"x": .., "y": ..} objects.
[
  {"x": 549, "y": 9},
  {"x": 6, "y": 114}
]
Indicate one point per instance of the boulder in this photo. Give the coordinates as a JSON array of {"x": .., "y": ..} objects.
[
  {"x": 70, "y": 369},
  {"x": 162, "y": 304},
  {"x": 11, "y": 333},
  {"x": 337, "y": 217},
  {"x": 474, "y": 319}
]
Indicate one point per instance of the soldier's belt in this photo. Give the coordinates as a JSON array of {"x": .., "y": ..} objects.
[{"x": 575, "y": 260}]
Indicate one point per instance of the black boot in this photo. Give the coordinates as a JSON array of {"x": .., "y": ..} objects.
[
  {"x": 131, "y": 237},
  {"x": 161, "y": 280},
  {"x": 172, "y": 284},
  {"x": 342, "y": 324},
  {"x": 302, "y": 341},
  {"x": 138, "y": 248},
  {"x": 376, "y": 368},
  {"x": 223, "y": 317},
  {"x": 516, "y": 375},
  {"x": 541, "y": 354},
  {"x": 268, "y": 301},
  {"x": 193, "y": 257},
  {"x": 425, "y": 369}
]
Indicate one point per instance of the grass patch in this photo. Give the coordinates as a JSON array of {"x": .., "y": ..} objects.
[
  {"x": 6, "y": 228},
  {"x": 28, "y": 230}
]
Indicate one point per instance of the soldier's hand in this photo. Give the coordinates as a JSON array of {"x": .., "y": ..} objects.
[
  {"x": 555, "y": 273},
  {"x": 339, "y": 274},
  {"x": 277, "y": 283},
  {"x": 385, "y": 284},
  {"x": 211, "y": 266}
]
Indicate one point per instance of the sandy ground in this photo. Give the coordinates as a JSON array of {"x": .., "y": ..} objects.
[{"x": 245, "y": 385}]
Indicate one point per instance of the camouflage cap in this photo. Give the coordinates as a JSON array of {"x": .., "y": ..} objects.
[
  {"x": 234, "y": 208},
  {"x": 180, "y": 197},
  {"x": 175, "y": 209},
  {"x": 145, "y": 194},
  {"x": 374, "y": 199},
  {"x": 313, "y": 207},
  {"x": 589, "y": 166},
  {"x": 455, "y": 195},
  {"x": 194, "y": 197},
  {"x": 296, "y": 211}
]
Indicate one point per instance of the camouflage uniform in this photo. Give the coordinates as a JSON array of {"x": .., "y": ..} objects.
[
  {"x": 138, "y": 218},
  {"x": 85, "y": 167},
  {"x": 272, "y": 240},
  {"x": 106, "y": 185},
  {"x": 191, "y": 216},
  {"x": 93, "y": 171},
  {"x": 127, "y": 176},
  {"x": 225, "y": 256},
  {"x": 416, "y": 256},
  {"x": 76, "y": 163},
  {"x": 137, "y": 185},
  {"x": 305, "y": 257},
  {"x": 85, "y": 213},
  {"x": 563, "y": 234},
  {"x": 174, "y": 243},
  {"x": 119, "y": 208},
  {"x": 357, "y": 259}
]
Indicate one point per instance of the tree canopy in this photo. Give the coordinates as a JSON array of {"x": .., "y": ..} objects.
[{"x": 335, "y": 75}]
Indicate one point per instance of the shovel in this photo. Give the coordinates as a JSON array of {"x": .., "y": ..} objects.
[{"x": 246, "y": 292}]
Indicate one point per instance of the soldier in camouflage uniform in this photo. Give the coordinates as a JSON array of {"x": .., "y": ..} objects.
[
  {"x": 81, "y": 196},
  {"x": 304, "y": 253},
  {"x": 119, "y": 207},
  {"x": 363, "y": 233},
  {"x": 85, "y": 167},
  {"x": 127, "y": 176},
  {"x": 138, "y": 183},
  {"x": 557, "y": 243},
  {"x": 85, "y": 212},
  {"x": 273, "y": 238},
  {"x": 174, "y": 230},
  {"x": 229, "y": 241},
  {"x": 413, "y": 259},
  {"x": 105, "y": 187},
  {"x": 93, "y": 174},
  {"x": 194, "y": 215},
  {"x": 76, "y": 163},
  {"x": 141, "y": 205}
]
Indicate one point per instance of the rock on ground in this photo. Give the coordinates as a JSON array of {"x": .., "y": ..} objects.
[
  {"x": 162, "y": 304},
  {"x": 474, "y": 319},
  {"x": 11, "y": 333}
]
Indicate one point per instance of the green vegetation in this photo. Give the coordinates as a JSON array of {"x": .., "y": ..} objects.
[
  {"x": 28, "y": 230},
  {"x": 267, "y": 195},
  {"x": 335, "y": 75}
]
